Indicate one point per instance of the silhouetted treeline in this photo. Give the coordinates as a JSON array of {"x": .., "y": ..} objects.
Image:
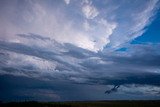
[{"x": 84, "y": 104}]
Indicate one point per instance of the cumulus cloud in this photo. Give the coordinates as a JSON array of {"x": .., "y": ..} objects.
[
  {"x": 106, "y": 30},
  {"x": 35, "y": 17},
  {"x": 92, "y": 28}
]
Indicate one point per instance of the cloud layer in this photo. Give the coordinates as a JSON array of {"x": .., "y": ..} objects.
[{"x": 80, "y": 65}]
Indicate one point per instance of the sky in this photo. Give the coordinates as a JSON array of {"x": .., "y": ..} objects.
[{"x": 79, "y": 50}]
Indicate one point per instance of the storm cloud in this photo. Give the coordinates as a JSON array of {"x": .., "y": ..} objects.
[{"x": 82, "y": 47}]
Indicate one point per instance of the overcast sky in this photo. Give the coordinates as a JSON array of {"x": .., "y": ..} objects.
[{"x": 58, "y": 50}]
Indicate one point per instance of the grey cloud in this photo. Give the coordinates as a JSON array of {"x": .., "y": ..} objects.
[
  {"x": 129, "y": 78},
  {"x": 137, "y": 65},
  {"x": 31, "y": 51},
  {"x": 140, "y": 89},
  {"x": 33, "y": 36},
  {"x": 22, "y": 88},
  {"x": 114, "y": 89},
  {"x": 62, "y": 65}
]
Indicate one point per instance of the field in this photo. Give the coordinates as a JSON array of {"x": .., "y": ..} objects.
[{"x": 84, "y": 104}]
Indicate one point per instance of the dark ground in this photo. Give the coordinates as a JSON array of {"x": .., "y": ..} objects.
[{"x": 84, "y": 104}]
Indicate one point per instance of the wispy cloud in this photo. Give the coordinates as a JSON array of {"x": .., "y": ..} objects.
[
  {"x": 95, "y": 27},
  {"x": 137, "y": 20},
  {"x": 89, "y": 10}
]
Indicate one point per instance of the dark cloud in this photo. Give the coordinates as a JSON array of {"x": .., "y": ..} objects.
[
  {"x": 114, "y": 89},
  {"x": 19, "y": 88},
  {"x": 139, "y": 64},
  {"x": 129, "y": 78}
]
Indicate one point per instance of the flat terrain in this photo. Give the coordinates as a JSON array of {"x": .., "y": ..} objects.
[{"x": 85, "y": 104}]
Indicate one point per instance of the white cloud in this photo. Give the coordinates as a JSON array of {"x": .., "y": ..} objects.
[
  {"x": 106, "y": 30},
  {"x": 81, "y": 28},
  {"x": 67, "y": 1},
  {"x": 89, "y": 10},
  {"x": 35, "y": 17},
  {"x": 109, "y": 26},
  {"x": 87, "y": 26}
]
